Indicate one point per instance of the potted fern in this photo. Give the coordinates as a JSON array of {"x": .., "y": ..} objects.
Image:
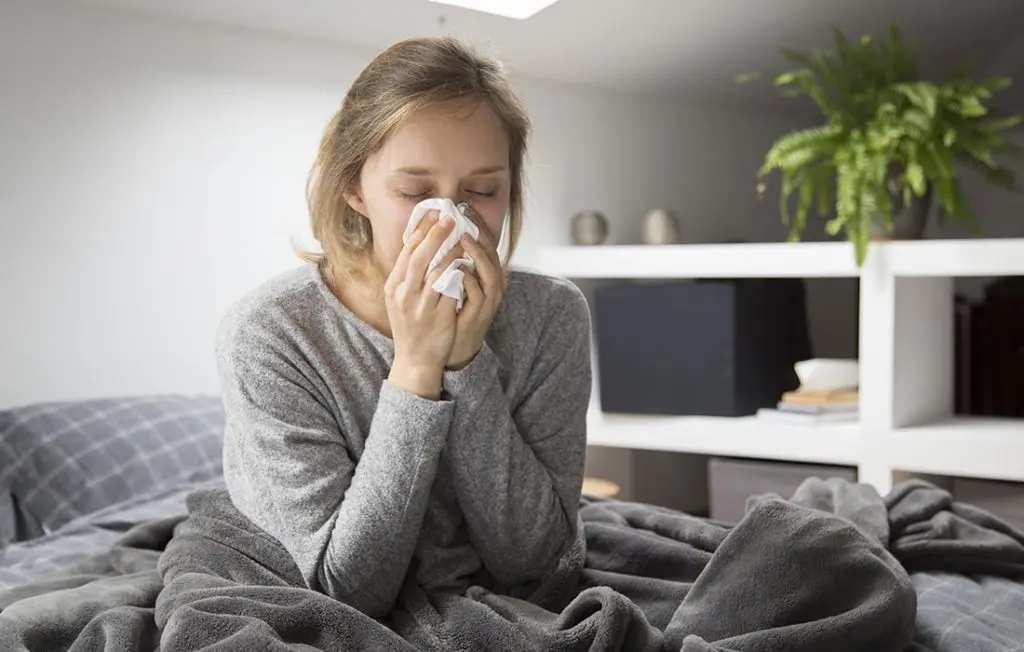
[{"x": 890, "y": 145}]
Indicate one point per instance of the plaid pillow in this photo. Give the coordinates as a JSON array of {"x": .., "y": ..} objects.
[
  {"x": 9, "y": 525},
  {"x": 59, "y": 461}
]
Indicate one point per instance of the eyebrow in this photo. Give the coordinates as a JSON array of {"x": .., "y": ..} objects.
[{"x": 422, "y": 171}]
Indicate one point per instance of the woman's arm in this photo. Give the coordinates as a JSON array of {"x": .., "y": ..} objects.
[
  {"x": 351, "y": 528},
  {"x": 519, "y": 469}
]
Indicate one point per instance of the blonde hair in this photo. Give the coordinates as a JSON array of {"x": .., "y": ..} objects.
[{"x": 405, "y": 78}]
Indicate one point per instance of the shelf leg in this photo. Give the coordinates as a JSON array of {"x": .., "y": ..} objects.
[
  {"x": 923, "y": 351},
  {"x": 876, "y": 473}
]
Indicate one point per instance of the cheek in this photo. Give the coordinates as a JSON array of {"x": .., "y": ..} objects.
[
  {"x": 388, "y": 218},
  {"x": 493, "y": 224},
  {"x": 491, "y": 216}
]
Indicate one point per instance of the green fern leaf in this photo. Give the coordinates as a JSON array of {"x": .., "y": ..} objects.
[
  {"x": 999, "y": 124},
  {"x": 971, "y": 107},
  {"x": 915, "y": 179},
  {"x": 923, "y": 95}
]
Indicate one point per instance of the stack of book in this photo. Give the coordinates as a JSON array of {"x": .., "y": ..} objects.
[{"x": 814, "y": 407}]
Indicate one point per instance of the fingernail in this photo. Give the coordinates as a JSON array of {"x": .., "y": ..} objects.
[
  {"x": 467, "y": 240},
  {"x": 447, "y": 222}
]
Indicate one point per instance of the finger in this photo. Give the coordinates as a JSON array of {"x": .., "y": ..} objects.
[
  {"x": 417, "y": 237},
  {"x": 447, "y": 303},
  {"x": 430, "y": 219},
  {"x": 435, "y": 273},
  {"x": 490, "y": 247},
  {"x": 486, "y": 266},
  {"x": 425, "y": 251},
  {"x": 488, "y": 240},
  {"x": 472, "y": 304},
  {"x": 474, "y": 295}
]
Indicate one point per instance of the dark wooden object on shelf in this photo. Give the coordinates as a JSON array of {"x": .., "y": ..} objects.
[{"x": 989, "y": 352}]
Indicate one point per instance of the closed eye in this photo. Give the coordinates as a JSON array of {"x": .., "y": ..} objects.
[{"x": 405, "y": 195}]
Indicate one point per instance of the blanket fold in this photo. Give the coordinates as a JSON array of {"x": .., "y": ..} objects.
[
  {"x": 931, "y": 532},
  {"x": 824, "y": 570}
]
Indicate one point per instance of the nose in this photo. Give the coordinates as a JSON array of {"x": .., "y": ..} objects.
[
  {"x": 453, "y": 191},
  {"x": 450, "y": 187}
]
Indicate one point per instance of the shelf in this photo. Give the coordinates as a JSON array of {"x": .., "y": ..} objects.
[
  {"x": 727, "y": 437},
  {"x": 973, "y": 447},
  {"x": 951, "y": 258},
  {"x": 766, "y": 260},
  {"x": 906, "y": 349},
  {"x": 943, "y": 258}
]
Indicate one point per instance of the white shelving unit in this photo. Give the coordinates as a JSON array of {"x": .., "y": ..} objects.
[
  {"x": 770, "y": 260},
  {"x": 739, "y": 437},
  {"x": 906, "y": 357}
]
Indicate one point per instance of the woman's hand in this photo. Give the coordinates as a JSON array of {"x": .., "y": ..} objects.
[
  {"x": 483, "y": 296},
  {"x": 422, "y": 320}
]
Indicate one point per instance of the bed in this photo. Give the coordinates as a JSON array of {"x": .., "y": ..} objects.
[
  {"x": 75, "y": 475},
  {"x": 116, "y": 533}
]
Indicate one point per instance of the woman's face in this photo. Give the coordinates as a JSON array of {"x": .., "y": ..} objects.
[{"x": 458, "y": 151}]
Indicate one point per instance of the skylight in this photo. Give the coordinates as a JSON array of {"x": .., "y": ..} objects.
[{"x": 508, "y": 8}]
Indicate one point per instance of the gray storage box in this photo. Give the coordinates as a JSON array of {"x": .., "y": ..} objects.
[
  {"x": 732, "y": 481},
  {"x": 1004, "y": 499}
]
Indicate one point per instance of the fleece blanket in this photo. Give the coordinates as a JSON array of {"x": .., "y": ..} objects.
[{"x": 824, "y": 570}]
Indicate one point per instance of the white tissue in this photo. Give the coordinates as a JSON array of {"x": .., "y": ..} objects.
[{"x": 451, "y": 282}]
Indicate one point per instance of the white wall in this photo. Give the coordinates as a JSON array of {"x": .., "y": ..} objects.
[{"x": 151, "y": 172}]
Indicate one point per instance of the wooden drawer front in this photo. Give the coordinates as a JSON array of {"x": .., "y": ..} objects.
[
  {"x": 731, "y": 482},
  {"x": 1004, "y": 499}
]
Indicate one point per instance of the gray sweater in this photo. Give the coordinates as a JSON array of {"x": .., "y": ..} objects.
[{"x": 365, "y": 484}]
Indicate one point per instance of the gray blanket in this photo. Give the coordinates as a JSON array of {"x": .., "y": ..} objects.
[{"x": 826, "y": 570}]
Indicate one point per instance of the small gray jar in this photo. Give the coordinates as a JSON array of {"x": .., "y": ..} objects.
[{"x": 589, "y": 228}]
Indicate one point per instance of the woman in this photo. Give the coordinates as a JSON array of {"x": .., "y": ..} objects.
[{"x": 374, "y": 430}]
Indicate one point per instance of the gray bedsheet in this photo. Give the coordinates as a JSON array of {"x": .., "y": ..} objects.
[
  {"x": 823, "y": 571},
  {"x": 88, "y": 536},
  {"x": 960, "y": 613}
]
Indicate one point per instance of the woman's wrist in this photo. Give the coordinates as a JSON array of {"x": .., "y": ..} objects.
[
  {"x": 460, "y": 364},
  {"x": 422, "y": 380}
]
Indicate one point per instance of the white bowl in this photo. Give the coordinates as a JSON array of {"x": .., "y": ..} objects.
[{"x": 822, "y": 374}]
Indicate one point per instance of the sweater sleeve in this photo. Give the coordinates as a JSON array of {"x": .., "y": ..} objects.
[
  {"x": 518, "y": 469},
  {"x": 350, "y": 527}
]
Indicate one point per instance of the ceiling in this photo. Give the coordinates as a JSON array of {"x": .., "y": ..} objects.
[{"x": 680, "y": 48}]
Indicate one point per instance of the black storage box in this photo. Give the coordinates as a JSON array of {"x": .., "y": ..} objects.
[{"x": 716, "y": 348}]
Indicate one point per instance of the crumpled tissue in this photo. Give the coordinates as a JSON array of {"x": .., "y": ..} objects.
[{"x": 451, "y": 281}]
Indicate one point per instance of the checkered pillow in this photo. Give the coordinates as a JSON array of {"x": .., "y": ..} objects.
[{"x": 59, "y": 461}]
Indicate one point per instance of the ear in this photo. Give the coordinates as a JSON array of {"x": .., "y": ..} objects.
[{"x": 354, "y": 198}]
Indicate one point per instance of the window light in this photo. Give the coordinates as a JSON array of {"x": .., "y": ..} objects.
[{"x": 508, "y": 8}]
